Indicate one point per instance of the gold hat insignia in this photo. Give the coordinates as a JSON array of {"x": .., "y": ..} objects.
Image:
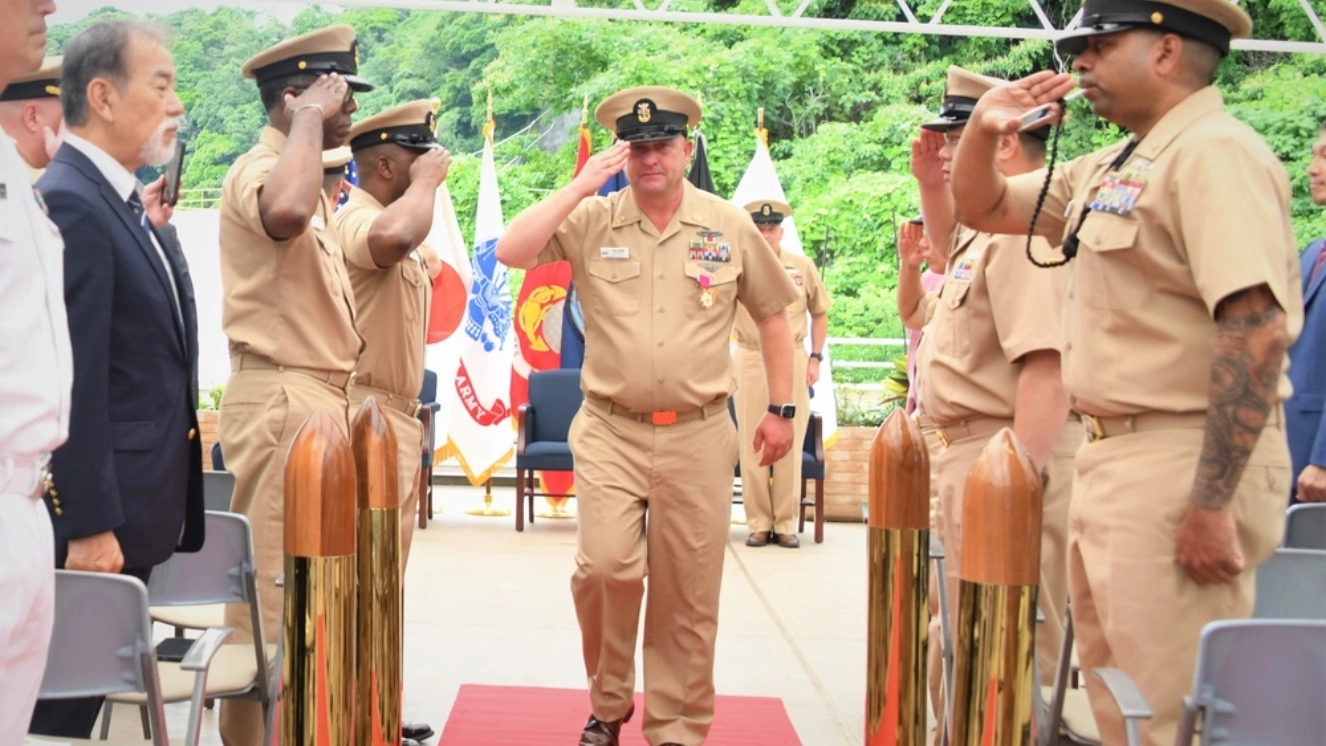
[
  {"x": 766, "y": 210},
  {"x": 643, "y": 111}
]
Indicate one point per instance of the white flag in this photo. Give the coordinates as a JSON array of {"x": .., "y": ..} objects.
[
  {"x": 482, "y": 431},
  {"x": 761, "y": 182},
  {"x": 443, "y": 357}
]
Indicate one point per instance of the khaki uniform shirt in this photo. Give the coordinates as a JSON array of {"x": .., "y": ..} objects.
[
  {"x": 288, "y": 301},
  {"x": 993, "y": 308},
  {"x": 1199, "y": 210},
  {"x": 811, "y": 297},
  {"x": 652, "y": 344},
  {"x": 391, "y": 305}
]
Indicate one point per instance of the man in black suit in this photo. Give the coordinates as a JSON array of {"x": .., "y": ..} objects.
[{"x": 128, "y": 483}]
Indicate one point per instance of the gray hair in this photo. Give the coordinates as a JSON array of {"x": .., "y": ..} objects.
[{"x": 100, "y": 51}]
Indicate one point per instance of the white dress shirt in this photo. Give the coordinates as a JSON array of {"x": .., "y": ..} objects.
[
  {"x": 124, "y": 184},
  {"x": 36, "y": 363}
]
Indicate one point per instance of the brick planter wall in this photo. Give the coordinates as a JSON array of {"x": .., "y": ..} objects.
[
  {"x": 207, "y": 420},
  {"x": 847, "y": 471}
]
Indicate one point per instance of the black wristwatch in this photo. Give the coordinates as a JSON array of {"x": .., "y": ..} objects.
[
  {"x": 817, "y": 356},
  {"x": 786, "y": 411}
]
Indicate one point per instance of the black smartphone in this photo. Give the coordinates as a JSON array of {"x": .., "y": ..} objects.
[
  {"x": 170, "y": 194},
  {"x": 173, "y": 649}
]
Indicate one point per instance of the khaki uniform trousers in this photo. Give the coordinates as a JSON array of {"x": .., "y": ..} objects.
[
  {"x": 1134, "y": 607},
  {"x": 766, "y": 510},
  {"x": 954, "y": 464},
  {"x": 681, "y": 474},
  {"x": 261, "y": 411},
  {"x": 409, "y": 432}
]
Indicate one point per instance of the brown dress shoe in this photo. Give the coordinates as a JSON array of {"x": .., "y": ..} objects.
[
  {"x": 600, "y": 733},
  {"x": 788, "y": 541},
  {"x": 758, "y": 539}
]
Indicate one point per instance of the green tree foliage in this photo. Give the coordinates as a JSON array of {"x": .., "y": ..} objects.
[{"x": 841, "y": 107}]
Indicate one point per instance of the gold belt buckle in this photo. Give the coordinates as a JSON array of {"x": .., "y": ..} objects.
[
  {"x": 1095, "y": 431},
  {"x": 663, "y": 419},
  {"x": 942, "y": 434}
]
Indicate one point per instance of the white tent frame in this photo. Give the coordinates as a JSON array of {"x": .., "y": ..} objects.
[{"x": 803, "y": 17}]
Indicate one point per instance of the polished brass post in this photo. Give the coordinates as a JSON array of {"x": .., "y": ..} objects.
[
  {"x": 381, "y": 618},
  {"x": 899, "y": 610},
  {"x": 318, "y": 671},
  {"x": 1000, "y": 568}
]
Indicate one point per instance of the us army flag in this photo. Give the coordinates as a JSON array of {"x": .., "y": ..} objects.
[
  {"x": 482, "y": 434},
  {"x": 761, "y": 182}
]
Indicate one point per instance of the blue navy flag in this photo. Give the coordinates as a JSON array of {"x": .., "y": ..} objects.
[{"x": 573, "y": 321}]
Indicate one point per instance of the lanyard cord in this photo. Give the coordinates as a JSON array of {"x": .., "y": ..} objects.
[{"x": 1071, "y": 243}]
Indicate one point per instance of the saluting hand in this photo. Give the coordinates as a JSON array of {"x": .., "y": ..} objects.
[
  {"x": 927, "y": 168},
  {"x": 1207, "y": 546},
  {"x": 601, "y": 167},
  {"x": 328, "y": 93},
  {"x": 910, "y": 249},
  {"x": 773, "y": 436},
  {"x": 1000, "y": 109},
  {"x": 97, "y": 553},
  {"x": 431, "y": 167}
]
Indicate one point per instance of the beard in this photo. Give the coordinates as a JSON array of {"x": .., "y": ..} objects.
[{"x": 157, "y": 151}]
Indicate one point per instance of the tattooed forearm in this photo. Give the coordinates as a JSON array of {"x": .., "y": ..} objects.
[{"x": 1250, "y": 346}]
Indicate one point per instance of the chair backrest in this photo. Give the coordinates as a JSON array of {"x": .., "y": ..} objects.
[
  {"x": 428, "y": 394},
  {"x": 1292, "y": 585},
  {"x": 555, "y": 397},
  {"x": 218, "y": 488},
  {"x": 221, "y": 572},
  {"x": 1261, "y": 681},
  {"x": 102, "y": 639},
  {"x": 218, "y": 461},
  {"x": 1305, "y": 526}
]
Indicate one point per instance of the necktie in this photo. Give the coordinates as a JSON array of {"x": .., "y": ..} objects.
[{"x": 136, "y": 204}]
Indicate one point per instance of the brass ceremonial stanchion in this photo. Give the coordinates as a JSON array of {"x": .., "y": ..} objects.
[
  {"x": 319, "y": 629},
  {"x": 899, "y": 612},
  {"x": 381, "y": 617},
  {"x": 999, "y": 571},
  {"x": 488, "y": 509}
]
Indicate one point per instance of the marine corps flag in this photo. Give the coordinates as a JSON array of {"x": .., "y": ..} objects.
[
  {"x": 481, "y": 435},
  {"x": 761, "y": 182}
]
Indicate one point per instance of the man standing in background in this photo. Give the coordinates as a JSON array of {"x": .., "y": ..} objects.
[
  {"x": 1307, "y": 358},
  {"x": 30, "y": 114},
  {"x": 771, "y": 502}
]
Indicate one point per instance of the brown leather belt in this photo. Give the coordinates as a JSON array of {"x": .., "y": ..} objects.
[
  {"x": 1100, "y": 428},
  {"x": 246, "y": 361},
  {"x": 970, "y": 428},
  {"x": 387, "y": 399},
  {"x": 658, "y": 419}
]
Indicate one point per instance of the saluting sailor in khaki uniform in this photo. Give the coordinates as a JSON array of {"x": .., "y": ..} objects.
[
  {"x": 990, "y": 357},
  {"x": 289, "y": 308},
  {"x": 30, "y": 113},
  {"x": 661, "y": 267},
  {"x": 333, "y": 172},
  {"x": 381, "y": 227},
  {"x": 1184, "y": 293},
  {"x": 775, "y": 510}
]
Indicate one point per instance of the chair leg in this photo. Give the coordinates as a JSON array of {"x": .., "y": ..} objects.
[
  {"x": 105, "y": 719},
  {"x": 819, "y": 511},
  {"x": 147, "y": 722},
  {"x": 421, "y": 506},
  {"x": 801, "y": 509},
  {"x": 520, "y": 499}
]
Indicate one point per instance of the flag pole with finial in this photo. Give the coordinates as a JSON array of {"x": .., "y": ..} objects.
[{"x": 760, "y": 131}]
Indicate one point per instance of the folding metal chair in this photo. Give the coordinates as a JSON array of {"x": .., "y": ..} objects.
[
  {"x": 1305, "y": 526},
  {"x": 222, "y": 572},
  {"x": 103, "y": 647}
]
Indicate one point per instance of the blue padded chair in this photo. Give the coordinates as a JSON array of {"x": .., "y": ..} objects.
[
  {"x": 218, "y": 463},
  {"x": 812, "y": 468},
  {"x": 543, "y": 424},
  {"x": 427, "y": 413}
]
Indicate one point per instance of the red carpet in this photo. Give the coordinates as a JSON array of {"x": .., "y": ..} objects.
[{"x": 535, "y": 716}]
